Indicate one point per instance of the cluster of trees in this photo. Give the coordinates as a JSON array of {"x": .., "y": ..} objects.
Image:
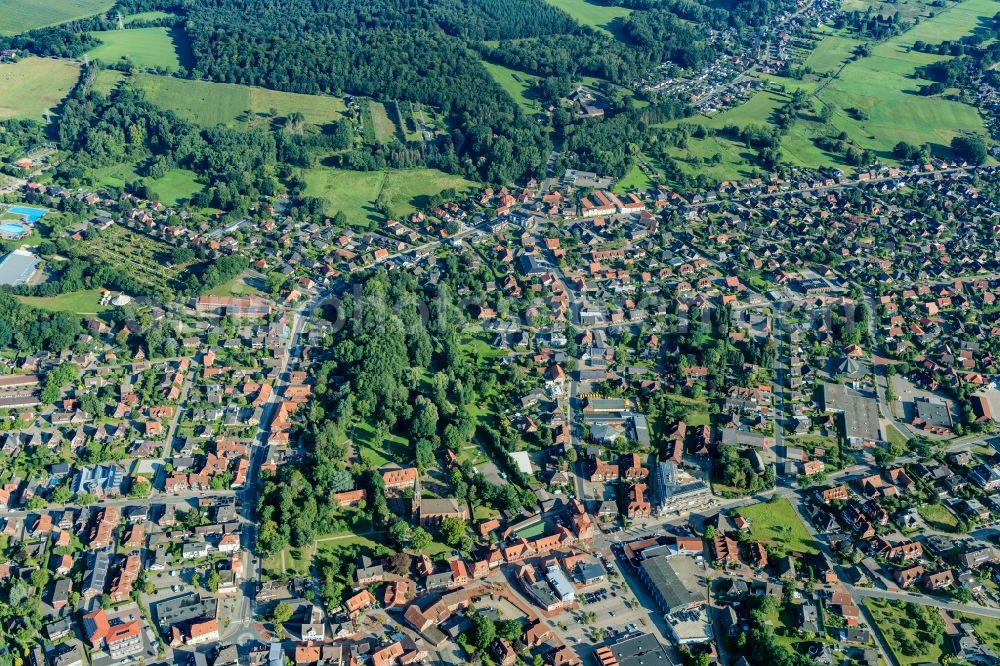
[
  {"x": 388, "y": 49},
  {"x": 871, "y": 25},
  {"x": 58, "y": 42},
  {"x": 237, "y": 166},
  {"x": 27, "y": 330},
  {"x": 612, "y": 145},
  {"x": 372, "y": 383},
  {"x": 841, "y": 145},
  {"x": 907, "y": 152}
]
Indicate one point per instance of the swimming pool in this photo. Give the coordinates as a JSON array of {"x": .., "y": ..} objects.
[
  {"x": 30, "y": 214},
  {"x": 12, "y": 229}
]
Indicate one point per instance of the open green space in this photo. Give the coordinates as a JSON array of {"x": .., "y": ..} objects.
[
  {"x": 392, "y": 448},
  {"x": 635, "y": 179},
  {"x": 385, "y": 127},
  {"x": 776, "y": 523},
  {"x": 18, "y": 16},
  {"x": 145, "y": 47},
  {"x": 593, "y": 14},
  {"x": 517, "y": 84},
  {"x": 355, "y": 192},
  {"x": 175, "y": 186},
  {"x": 893, "y": 619},
  {"x": 31, "y": 87},
  {"x": 938, "y": 517},
  {"x": 832, "y": 52},
  {"x": 79, "y": 302},
  {"x": 238, "y": 286},
  {"x": 896, "y": 438},
  {"x": 210, "y": 104},
  {"x": 146, "y": 16}
]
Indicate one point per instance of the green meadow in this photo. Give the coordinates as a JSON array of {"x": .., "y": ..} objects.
[
  {"x": 31, "y": 87},
  {"x": 593, "y": 14},
  {"x": 520, "y": 91},
  {"x": 145, "y": 47},
  {"x": 355, "y": 192},
  {"x": 210, "y": 104}
]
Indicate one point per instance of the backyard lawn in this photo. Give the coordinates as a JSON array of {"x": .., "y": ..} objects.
[
  {"x": 938, "y": 517},
  {"x": 777, "y": 524}
]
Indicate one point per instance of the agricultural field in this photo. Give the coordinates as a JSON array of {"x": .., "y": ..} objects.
[
  {"x": 595, "y": 15},
  {"x": 34, "y": 86},
  {"x": 23, "y": 15},
  {"x": 145, "y": 47},
  {"x": 355, "y": 192},
  {"x": 520, "y": 91},
  {"x": 776, "y": 523},
  {"x": 107, "y": 80},
  {"x": 883, "y": 85},
  {"x": 210, "y": 104}
]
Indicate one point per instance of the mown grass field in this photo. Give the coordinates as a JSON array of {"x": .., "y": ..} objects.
[
  {"x": 33, "y": 86},
  {"x": 210, "y": 104},
  {"x": 635, "y": 179},
  {"x": 355, "y": 192},
  {"x": 145, "y": 47},
  {"x": 18, "y": 16},
  {"x": 79, "y": 302},
  {"x": 176, "y": 186},
  {"x": 831, "y": 53},
  {"x": 589, "y": 13},
  {"x": 884, "y": 87},
  {"x": 777, "y": 524},
  {"x": 385, "y": 127},
  {"x": 520, "y": 91}
]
